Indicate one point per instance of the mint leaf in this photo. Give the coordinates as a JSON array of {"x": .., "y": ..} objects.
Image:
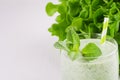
[
  {"x": 73, "y": 40},
  {"x": 96, "y": 3},
  {"x": 74, "y": 7},
  {"x": 61, "y": 45},
  {"x": 58, "y": 30},
  {"x": 91, "y": 51},
  {"x": 51, "y": 8},
  {"x": 84, "y": 12},
  {"x": 73, "y": 55},
  {"x": 88, "y": 1},
  {"x": 114, "y": 27},
  {"x": 99, "y": 15},
  {"x": 73, "y": 43},
  {"x": 77, "y": 23},
  {"x": 117, "y": 38}
]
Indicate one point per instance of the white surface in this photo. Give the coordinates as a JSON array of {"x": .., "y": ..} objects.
[{"x": 26, "y": 47}]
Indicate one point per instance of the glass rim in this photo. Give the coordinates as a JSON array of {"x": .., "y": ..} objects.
[
  {"x": 114, "y": 42},
  {"x": 103, "y": 56}
]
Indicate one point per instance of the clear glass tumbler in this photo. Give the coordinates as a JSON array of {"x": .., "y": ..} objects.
[{"x": 105, "y": 67}]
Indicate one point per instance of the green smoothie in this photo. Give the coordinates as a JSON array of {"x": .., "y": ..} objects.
[{"x": 105, "y": 67}]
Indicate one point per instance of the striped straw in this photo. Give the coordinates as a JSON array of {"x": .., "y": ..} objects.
[{"x": 104, "y": 31}]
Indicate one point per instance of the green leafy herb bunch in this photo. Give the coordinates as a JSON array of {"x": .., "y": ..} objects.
[{"x": 84, "y": 16}]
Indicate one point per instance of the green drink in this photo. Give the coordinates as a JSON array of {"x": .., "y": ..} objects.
[{"x": 104, "y": 67}]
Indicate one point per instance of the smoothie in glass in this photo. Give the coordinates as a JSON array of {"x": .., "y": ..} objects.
[{"x": 105, "y": 67}]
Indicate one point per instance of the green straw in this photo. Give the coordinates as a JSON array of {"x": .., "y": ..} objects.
[{"x": 104, "y": 31}]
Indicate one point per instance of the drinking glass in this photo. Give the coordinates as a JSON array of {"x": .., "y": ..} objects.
[{"x": 104, "y": 67}]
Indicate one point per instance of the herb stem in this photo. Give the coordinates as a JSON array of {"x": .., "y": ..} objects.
[{"x": 90, "y": 11}]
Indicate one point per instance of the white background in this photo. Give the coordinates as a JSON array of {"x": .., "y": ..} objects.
[{"x": 26, "y": 46}]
